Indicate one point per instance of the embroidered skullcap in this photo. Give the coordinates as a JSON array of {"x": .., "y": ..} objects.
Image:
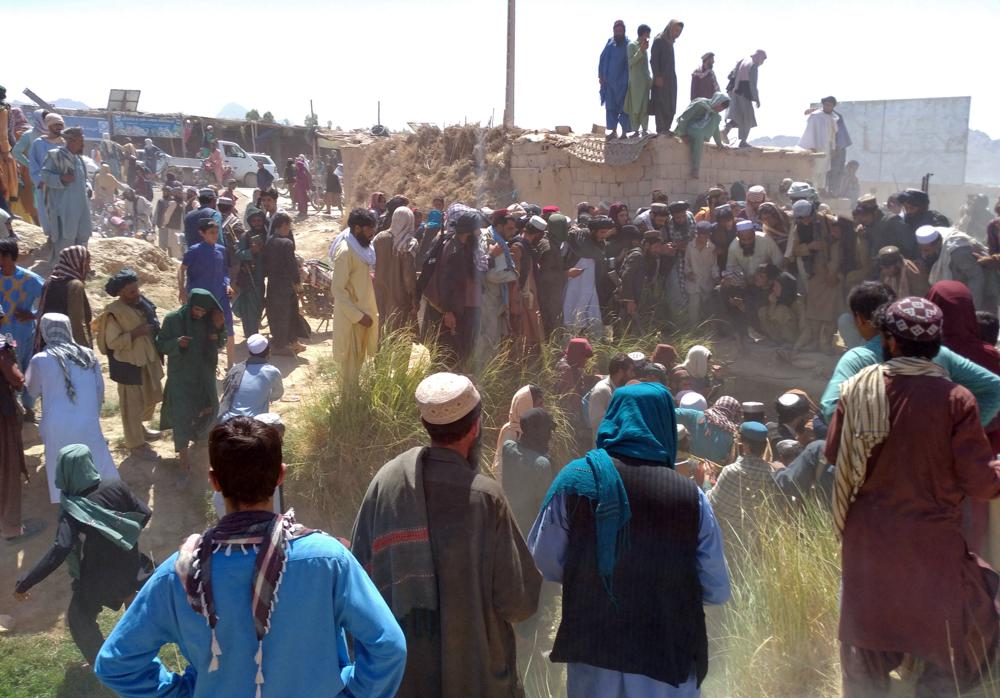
[
  {"x": 926, "y": 234},
  {"x": 444, "y": 398},
  {"x": 756, "y": 193},
  {"x": 914, "y": 319},
  {"x": 256, "y": 343}
]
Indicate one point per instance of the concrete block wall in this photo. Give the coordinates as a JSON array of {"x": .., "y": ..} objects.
[{"x": 546, "y": 174}]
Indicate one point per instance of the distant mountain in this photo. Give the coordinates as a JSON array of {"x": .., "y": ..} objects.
[
  {"x": 775, "y": 141},
  {"x": 233, "y": 111},
  {"x": 58, "y": 104},
  {"x": 982, "y": 163},
  {"x": 69, "y": 104}
]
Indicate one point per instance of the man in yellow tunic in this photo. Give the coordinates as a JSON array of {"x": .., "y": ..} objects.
[
  {"x": 355, "y": 312},
  {"x": 126, "y": 333}
]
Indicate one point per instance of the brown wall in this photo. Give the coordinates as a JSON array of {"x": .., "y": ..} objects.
[{"x": 549, "y": 174}]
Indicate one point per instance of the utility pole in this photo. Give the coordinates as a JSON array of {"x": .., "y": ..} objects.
[{"x": 508, "y": 110}]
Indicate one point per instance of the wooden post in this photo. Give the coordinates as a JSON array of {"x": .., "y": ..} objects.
[{"x": 508, "y": 110}]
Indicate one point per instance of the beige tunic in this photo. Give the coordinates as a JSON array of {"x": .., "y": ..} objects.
[{"x": 353, "y": 298}]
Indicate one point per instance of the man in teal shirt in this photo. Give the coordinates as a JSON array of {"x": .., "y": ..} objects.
[{"x": 864, "y": 299}]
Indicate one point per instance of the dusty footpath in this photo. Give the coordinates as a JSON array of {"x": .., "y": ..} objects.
[{"x": 177, "y": 512}]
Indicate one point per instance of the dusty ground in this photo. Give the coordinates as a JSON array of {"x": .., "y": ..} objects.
[{"x": 176, "y": 512}]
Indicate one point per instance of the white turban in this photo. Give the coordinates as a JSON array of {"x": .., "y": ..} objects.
[{"x": 926, "y": 234}]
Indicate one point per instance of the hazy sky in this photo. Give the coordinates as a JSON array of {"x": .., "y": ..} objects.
[{"x": 443, "y": 61}]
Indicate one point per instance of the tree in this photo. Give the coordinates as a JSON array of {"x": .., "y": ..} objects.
[
  {"x": 286, "y": 122},
  {"x": 252, "y": 115},
  {"x": 311, "y": 121},
  {"x": 268, "y": 118},
  {"x": 329, "y": 125}
]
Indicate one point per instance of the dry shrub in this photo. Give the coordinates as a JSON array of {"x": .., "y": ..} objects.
[{"x": 466, "y": 163}]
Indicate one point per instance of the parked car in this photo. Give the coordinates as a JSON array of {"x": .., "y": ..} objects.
[{"x": 243, "y": 166}]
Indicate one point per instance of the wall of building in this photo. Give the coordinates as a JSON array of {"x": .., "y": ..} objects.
[
  {"x": 546, "y": 172},
  {"x": 904, "y": 139}
]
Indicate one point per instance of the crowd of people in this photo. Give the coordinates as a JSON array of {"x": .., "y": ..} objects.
[{"x": 452, "y": 564}]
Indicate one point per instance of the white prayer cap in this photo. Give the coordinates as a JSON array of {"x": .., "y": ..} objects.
[
  {"x": 756, "y": 193},
  {"x": 256, "y": 343},
  {"x": 444, "y": 398},
  {"x": 744, "y": 226},
  {"x": 789, "y": 399},
  {"x": 802, "y": 208},
  {"x": 689, "y": 399},
  {"x": 926, "y": 234},
  {"x": 538, "y": 223},
  {"x": 637, "y": 356}
]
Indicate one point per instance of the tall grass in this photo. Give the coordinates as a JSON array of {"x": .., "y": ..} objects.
[
  {"x": 777, "y": 635},
  {"x": 339, "y": 439}
]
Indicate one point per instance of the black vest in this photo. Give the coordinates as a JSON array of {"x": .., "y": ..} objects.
[{"x": 656, "y": 625}]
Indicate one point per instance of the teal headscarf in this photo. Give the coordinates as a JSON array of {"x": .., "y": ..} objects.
[
  {"x": 639, "y": 423},
  {"x": 75, "y": 474}
]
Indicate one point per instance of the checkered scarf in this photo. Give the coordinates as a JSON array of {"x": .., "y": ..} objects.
[{"x": 269, "y": 535}]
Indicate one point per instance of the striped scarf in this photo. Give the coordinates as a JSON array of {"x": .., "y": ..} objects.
[
  {"x": 865, "y": 406},
  {"x": 268, "y": 534}
]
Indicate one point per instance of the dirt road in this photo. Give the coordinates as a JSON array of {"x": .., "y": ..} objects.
[{"x": 177, "y": 512}]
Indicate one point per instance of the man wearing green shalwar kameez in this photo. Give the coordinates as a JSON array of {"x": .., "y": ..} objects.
[
  {"x": 190, "y": 338},
  {"x": 639, "y": 81},
  {"x": 699, "y": 122}
]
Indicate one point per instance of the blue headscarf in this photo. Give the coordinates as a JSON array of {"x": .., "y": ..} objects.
[
  {"x": 434, "y": 220},
  {"x": 639, "y": 423}
]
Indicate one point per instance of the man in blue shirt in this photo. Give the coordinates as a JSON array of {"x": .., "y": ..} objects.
[
  {"x": 206, "y": 209},
  {"x": 864, "y": 300},
  {"x": 235, "y": 640},
  {"x": 205, "y": 266}
]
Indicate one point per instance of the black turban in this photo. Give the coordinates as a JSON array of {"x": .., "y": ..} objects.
[{"x": 120, "y": 280}]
